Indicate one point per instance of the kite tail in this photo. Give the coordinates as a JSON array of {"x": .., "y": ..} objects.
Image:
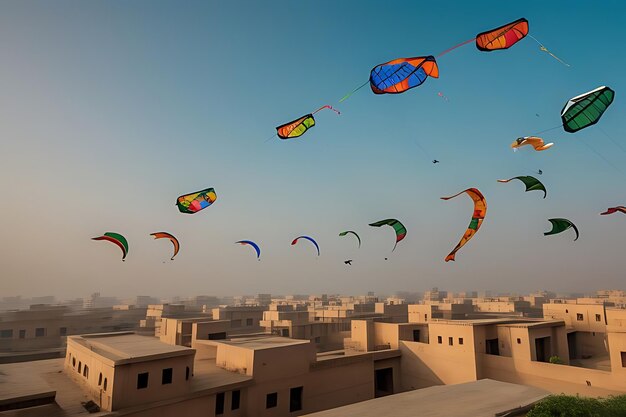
[
  {"x": 544, "y": 49},
  {"x": 457, "y": 46},
  {"x": 327, "y": 107},
  {"x": 347, "y": 96}
]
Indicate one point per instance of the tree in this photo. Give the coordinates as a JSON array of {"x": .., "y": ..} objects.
[{"x": 575, "y": 406}]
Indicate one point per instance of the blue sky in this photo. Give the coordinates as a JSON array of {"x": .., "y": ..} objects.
[{"x": 110, "y": 110}]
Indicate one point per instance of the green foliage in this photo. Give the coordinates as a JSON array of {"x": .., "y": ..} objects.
[
  {"x": 570, "y": 406},
  {"x": 555, "y": 359}
]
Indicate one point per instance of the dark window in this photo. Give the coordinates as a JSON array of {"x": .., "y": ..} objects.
[
  {"x": 187, "y": 374},
  {"x": 491, "y": 347},
  {"x": 40, "y": 332},
  {"x": 416, "y": 335},
  {"x": 285, "y": 333},
  {"x": 100, "y": 379},
  {"x": 86, "y": 371},
  {"x": 63, "y": 331},
  {"x": 5, "y": 334},
  {"x": 519, "y": 341},
  {"x": 219, "y": 404},
  {"x": 598, "y": 317},
  {"x": 295, "y": 399},
  {"x": 22, "y": 334},
  {"x": 74, "y": 362},
  {"x": 623, "y": 359},
  {"x": 579, "y": 317},
  {"x": 142, "y": 380},
  {"x": 450, "y": 341},
  {"x": 566, "y": 310},
  {"x": 272, "y": 400},
  {"x": 166, "y": 377},
  {"x": 235, "y": 399},
  {"x": 249, "y": 322},
  {"x": 439, "y": 339},
  {"x": 105, "y": 384},
  {"x": 80, "y": 367},
  {"x": 217, "y": 336},
  {"x": 460, "y": 340},
  {"x": 425, "y": 317}
]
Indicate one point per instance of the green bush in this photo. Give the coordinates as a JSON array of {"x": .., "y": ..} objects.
[
  {"x": 575, "y": 406},
  {"x": 555, "y": 359}
]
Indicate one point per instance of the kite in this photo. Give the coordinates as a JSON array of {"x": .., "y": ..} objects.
[
  {"x": 586, "y": 109},
  {"x": 533, "y": 141},
  {"x": 531, "y": 183},
  {"x": 165, "y": 235},
  {"x": 561, "y": 225},
  {"x": 503, "y": 37},
  {"x": 402, "y": 74},
  {"x": 612, "y": 210},
  {"x": 194, "y": 202},
  {"x": 348, "y": 262},
  {"x": 298, "y": 127},
  {"x": 117, "y": 239},
  {"x": 397, "y": 226},
  {"x": 480, "y": 210},
  {"x": 254, "y": 245},
  {"x": 309, "y": 239},
  {"x": 354, "y": 233}
]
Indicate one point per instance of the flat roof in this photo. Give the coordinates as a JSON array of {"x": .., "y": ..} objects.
[
  {"x": 485, "y": 397},
  {"x": 128, "y": 347},
  {"x": 263, "y": 342}
]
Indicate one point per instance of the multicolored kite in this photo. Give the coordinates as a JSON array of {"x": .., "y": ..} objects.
[
  {"x": 612, "y": 210},
  {"x": 397, "y": 226},
  {"x": 354, "y": 233},
  {"x": 254, "y": 245},
  {"x": 531, "y": 183},
  {"x": 503, "y": 37},
  {"x": 561, "y": 225},
  {"x": 297, "y": 127},
  {"x": 480, "y": 210},
  {"x": 116, "y": 239},
  {"x": 310, "y": 239},
  {"x": 165, "y": 235},
  {"x": 586, "y": 109},
  {"x": 533, "y": 141},
  {"x": 402, "y": 74},
  {"x": 194, "y": 202}
]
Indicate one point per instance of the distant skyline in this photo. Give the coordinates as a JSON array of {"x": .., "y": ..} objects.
[{"x": 110, "y": 110}]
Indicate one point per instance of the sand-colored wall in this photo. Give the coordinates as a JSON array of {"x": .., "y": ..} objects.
[
  {"x": 362, "y": 335},
  {"x": 568, "y": 313},
  {"x": 235, "y": 359}
]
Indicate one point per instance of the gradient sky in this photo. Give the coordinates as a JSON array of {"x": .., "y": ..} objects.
[{"x": 111, "y": 109}]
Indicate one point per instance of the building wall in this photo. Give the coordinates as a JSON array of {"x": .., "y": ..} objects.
[{"x": 569, "y": 313}]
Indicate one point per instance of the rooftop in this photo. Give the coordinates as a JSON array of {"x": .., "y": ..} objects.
[{"x": 267, "y": 342}]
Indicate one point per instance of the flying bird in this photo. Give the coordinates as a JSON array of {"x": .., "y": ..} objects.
[{"x": 348, "y": 262}]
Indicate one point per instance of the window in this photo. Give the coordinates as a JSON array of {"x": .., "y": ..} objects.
[
  {"x": 187, "y": 374},
  {"x": 598, "y": 317},
  {"x": 623, "y": 359},
  {"x": 86, "y": 371},
  {"x": 105, "y": 384},
  {"x": 235, "y": 400},
  {"x": 460, "y": 340},
  {"x": 63, "y": 331},
  {"x": 519, "y": 341},
  {"x": 272, "y": 400},
  {"x": 285, "y": 333},
  {"x": 142, "y": 380},
  {"x": 439, "y": 339},
  {"x": 166, "y": 377},
  {"x": 5, "y": 334},
  {"x": 74, "y": 362},
  {"x": 219, "y": 404},
  {"x": 425, "y": 317},
  {"x": 100, "y": 379},
  {"x": 566, "y": 310},
  {"x": 217, "y": 336},
  {"x": 22, "y": 334},
  {"x": 295, "y": 399},
  {"x": 80, "y": 367},
  {"x": 416, "y": 335},
  {"x": 249, "y": 322},
  {"x": 40, "y": 332},
  {"x": 579, "y": 317},
  {"x": 450, "y": 341}
]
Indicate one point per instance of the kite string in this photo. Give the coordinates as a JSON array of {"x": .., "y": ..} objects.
[
  {"x": 347, "y": 96},
  {"x": 616, "y": 143},
  {"x": 544, "y": 49},
  {"x": 456, "y": 46},
  {"x": 546, "y": 130},
  {"x": 603, "y": 158},
  {"x": 327, "y": 106}
]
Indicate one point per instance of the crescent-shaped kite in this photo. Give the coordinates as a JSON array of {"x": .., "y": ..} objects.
[
  {"x": 531, "y": 183},
  {"x": 402, "y": 74},
  {"x": 194, "y": 202},
  {"x": 254, "y": 245},
  {"x": 502, "y": 37},
  {"x": 533, "y": 141},
  {"x": 116, "y": 239},
  {"x": 586, "y": 109},
  {"x": 354, "y": 233},
  {"x": 561, "y": 225},
  {"x": 612, "y": 210},
  {"x": 397, "y": 226},
  {"x": 480, "y": 210},
  {"x": 165, "y": 235},
  {"x": 298, "y": 127},
  {"x": 310, "y": 239}
]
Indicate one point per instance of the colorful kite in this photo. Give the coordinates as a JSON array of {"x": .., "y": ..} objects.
[
  {"x": 480, "y": 210},
  {"x": 533, "y": 141},
  {"x": 194, "y": 202},
  {"x": 254, "y": 245},
  {"x": 561, "y": 225},
  {"x": 354, "y": 233},
  {"x": 297, "y": 127},
  {"x": 117, "y": 239},
  {"x": 400, "y": 75},
  {"x": 397, "y": 226},
  {"x": 309, "y": 239},
  {"x": 531, "y": 183},
  {"x": 612, "y": 210},
  {"x": 165, "y": 235},
  {"x": 503, "y": 37},
  {"x": 586, "y": 109}
]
